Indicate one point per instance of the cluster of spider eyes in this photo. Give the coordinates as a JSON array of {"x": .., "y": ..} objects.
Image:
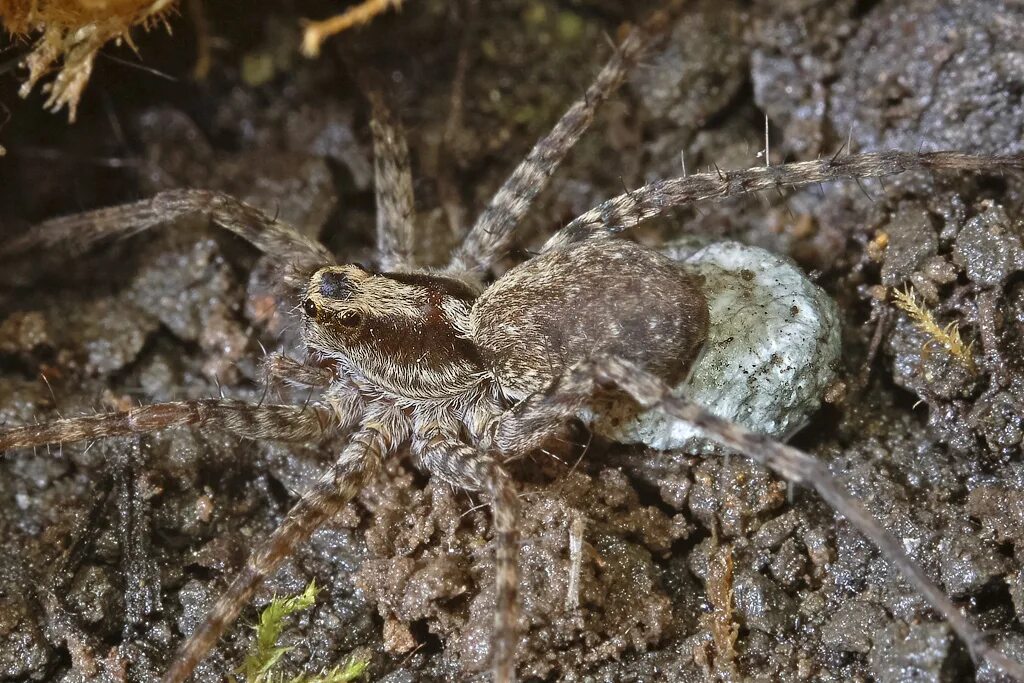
[{"x": 346, "y": 319}]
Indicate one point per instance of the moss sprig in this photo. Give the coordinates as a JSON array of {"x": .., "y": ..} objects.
[
  {"x": 260, "y": 664},
  {"x": 947, "y": 337}
]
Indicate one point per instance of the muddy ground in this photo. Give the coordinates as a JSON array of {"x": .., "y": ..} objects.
[{"x": 692, "y": 568}]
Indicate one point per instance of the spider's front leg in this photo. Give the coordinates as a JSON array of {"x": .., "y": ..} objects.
[
  {"x": 393, "y": 188},
  {"x": 358, "y": 463},
  {"x": 79, "y": 232},
  {"x": 543, "y": 414},
  {"x": 274, "y": 422},
  {"x": 279, "y": 369},
  {"x": 492, "y": 233},
  {"x": 635, "y": 206},
  {"x": 442, "y": 454}
]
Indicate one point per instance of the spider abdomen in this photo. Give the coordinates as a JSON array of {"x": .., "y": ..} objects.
[{"x": 592, "y": 299}]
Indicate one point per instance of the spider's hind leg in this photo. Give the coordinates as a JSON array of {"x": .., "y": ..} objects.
[
  {"x": 358, "y": 462},
  {"x": 274, "y": 422},
  {"x": 540, "y": 415},
  {"x": 78, "y": 232},
  {"x": 465, "y": 467}
]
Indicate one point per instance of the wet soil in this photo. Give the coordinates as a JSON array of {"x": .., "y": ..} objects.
[{"x": 689, "y": 567}]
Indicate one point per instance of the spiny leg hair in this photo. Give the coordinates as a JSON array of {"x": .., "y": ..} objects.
[
  {"x": 280, "y": 369},
  {"x": 492, "y": 233},
  {"x": 393, "y": 188},
  {"x": 469, "y": 468},
  {"x": 542, "y": 415},
  {"x": 273, "y": 422},
  {"x": 527, "y": 425},
  {"x": 627, "y": 210},
  {"x": 297, "y": 255},
  {"x": 358, "y": 463}
]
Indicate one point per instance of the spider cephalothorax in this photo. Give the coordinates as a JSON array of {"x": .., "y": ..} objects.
[
  {"x": 466, "y": 378},
  {"x": 405, "y": 334}
]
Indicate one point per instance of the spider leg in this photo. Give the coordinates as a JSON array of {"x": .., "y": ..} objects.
[
  {"x": 394, "y": 194},
  {"x": 445, "y": 456},
  {"x": 78, "y": 232},
  {"x": 281, "y": 369},
  {"x": 628, "y": 209},
  {"x": 543, "y": 413},
  {"x": 358, "y": 463},
  {"x": 275, "y": 422},
  {"x": 492, "y": 232}
]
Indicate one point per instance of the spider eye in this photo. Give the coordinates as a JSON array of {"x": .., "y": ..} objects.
[
  {"x": 350, "y": 319},
  {"x": 310, "y": 308}
]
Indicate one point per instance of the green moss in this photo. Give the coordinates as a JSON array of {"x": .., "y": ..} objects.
[
  {"x": 265, "y": 654},
  {"x": 570, "y": 26}
]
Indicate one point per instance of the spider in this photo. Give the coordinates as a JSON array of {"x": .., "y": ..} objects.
[{"x": 467, "y": 376}]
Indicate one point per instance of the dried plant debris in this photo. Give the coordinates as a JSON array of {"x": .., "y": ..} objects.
[
  {"x": 948, "y": 336},
  {"x": 71, "y": 34},
  {"x": 318, "y": 31}
]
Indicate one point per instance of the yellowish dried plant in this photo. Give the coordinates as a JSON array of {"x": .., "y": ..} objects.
[
  {"x": 318, "y": 31},
  {"x": 71, "y": 33},
  {"x": 947, "y": 337}
]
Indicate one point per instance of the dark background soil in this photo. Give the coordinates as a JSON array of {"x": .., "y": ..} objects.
[{"x": 691, "y": 568}]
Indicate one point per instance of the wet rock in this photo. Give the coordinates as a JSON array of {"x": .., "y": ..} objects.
[
  {"x": 912, "y": 241},
  {"x": 1016, "y": 586},
  {"x": 919, "y": 652},
  {"x": 968, "y": 563},
  {"x": 796, "y": 46},
  {"x": 93, "y": 595},
  {"x": 852, "y": 628},
  {"x": 989, "y": 247},
  {"x": 296, "y": 187},
  {"x": 107, "y": 334},
  {"x": 789, "y": 563},
  {"x": 187, "y": 286},
  {"x": 195, "y": 597},
  {"x": 921, "y": 365},
  {"x": 22, "y": 332},
  {"x": 690, "y": 80},
  {"x": 761, "y": 603},
  {"x": 998, "y": 418},
  {"x": 1001, "y": 510},
  {"x": 731, "y": 493},
  {"x": 772, "y": 348},
  {"x": 934, "y": 74},
  {"x": 439, "y": 579},
  {"x": 24, "y": 653},
  {"x": 1011, "y": 645},
  {"x": 776, "y": 531}
]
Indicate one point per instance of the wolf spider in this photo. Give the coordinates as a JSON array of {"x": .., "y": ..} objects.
[{"x": 467, "y": 375}]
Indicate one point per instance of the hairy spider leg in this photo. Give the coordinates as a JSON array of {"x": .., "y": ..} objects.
[
  {"x": 274, "y": 422},
  {"x": 492, "y": 233},
  {"x": 278, "y": 369},
  {"x": 543, "y": 414},
  {"x": 297, "y": 255},
  {"x": 357, "y": 464},
  {"x": 628, "y": 209},
  {"x": 463, "y": 466},
  {"x": 393, "y": 188}
]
